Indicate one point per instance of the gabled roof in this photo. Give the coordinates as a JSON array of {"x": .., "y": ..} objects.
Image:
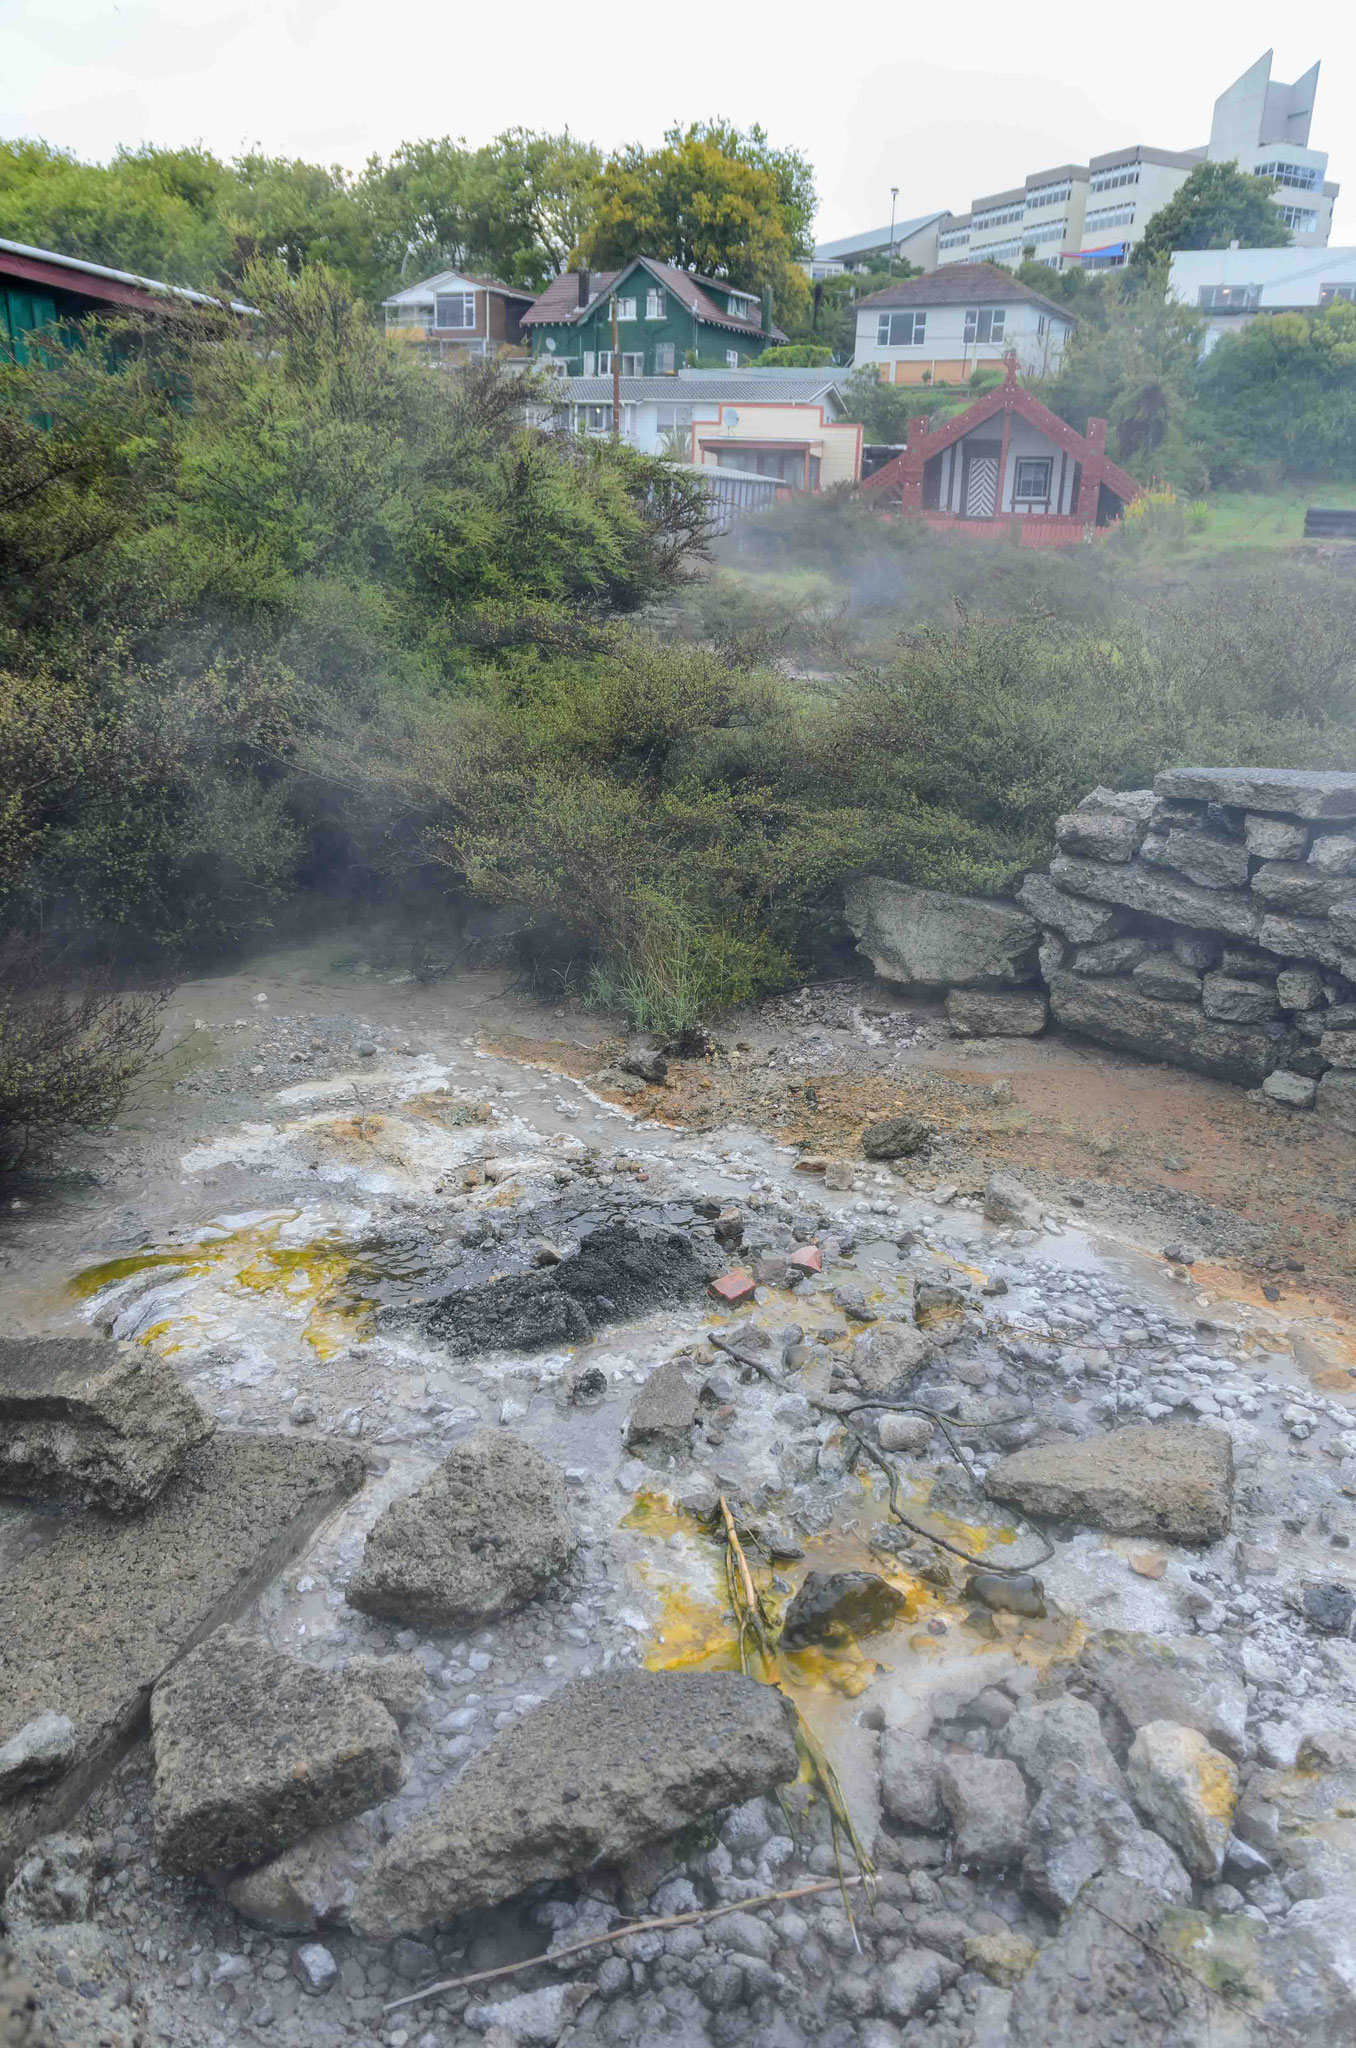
[
  {"x": 707, "y": 387},
  {"x": 964, "y": 284},
  {"x": 446, "y": 280},
  {"x": 558, "y": 305},
  {"x": 97, "y": 281},
  {"x": 875, "y": 238}
]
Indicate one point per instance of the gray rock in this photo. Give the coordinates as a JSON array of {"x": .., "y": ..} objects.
[
  {"x": 254, "y": 1749},
  {"x": 1170, "y": 1678},
  {"x": 908, "y": 1433},
  {"x": 885, "y": 1353},
  {"x": 664, "y": 1409},
  {"x": 400, "y": 1683},
  {"x": 1082, "y": 1825},
  {"x": 1107, "y": 1979},
  {"x": 1330, "y": 940},
  {"x": 482, "y": 1534},
  {"x": 1171, "y": 1480},
  {"x": 314, "y": 1968},
  {"x": 1080, "y": 922},
  {"x": 1274, "y": 838},
  {"x": 1186, "y": 1790},
  {"x": 1163, "y": 975},
  {"x": 996, "y": 1013},
  {"x": 1336, "y": 1099},
  {"x": 42, "y": 1749},
  {"x": 1334, "y": 853},
  {"x": 84, "y": 1420},
  {"x": 1196, "y": 949},
  {"x": 931, "y": 939},
  {"x": 910, "y": 1787},
  {"x": 22, "y": 2025},
  {"x": 1338, "y": 1048},
  {"x": 1297, "y": 888},
  {"x": 1047, "y": 1734},
  {"x": 144, "y": 1587},
  {"x": 536, "y": 2019},
  {"x": 1117, "y": 1013},
  {"x": 1299, "y": 988},
  {"x": 913, "y": 1982},
  {"x": 311, "y": 1885},
  {"x": 1099, "y": 835},
  {"x": 987, "y": 1802},
  {"x": 1114, "y": 956},
  {"x": 896, "y": 1137},
  {"x": 1009, "y": 1201},
  {"x": 1213, "y": 863},
  {"x": 1157, "y": 894},
  {"x": 646, "y": 1063},
  {"x": 1297, "y": 792},
  {"x": 1143, "y": 805},
  {"x": 606, "y": 1765},
  {"x": 1051, "y": 955},
  {"x": 1297, "y": 1091},
  {"x": 838, "y": 1607},
  {"x": 54, "y": 1884},
  {"x": 1238, "y": 1002}
]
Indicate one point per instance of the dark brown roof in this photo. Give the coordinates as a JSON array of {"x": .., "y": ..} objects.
[
  {"x": 559, "y": 304},
  {"x": 963, "y": 284}
]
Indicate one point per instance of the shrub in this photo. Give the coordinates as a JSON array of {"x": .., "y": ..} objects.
[{"x": 68, "y": 1054}]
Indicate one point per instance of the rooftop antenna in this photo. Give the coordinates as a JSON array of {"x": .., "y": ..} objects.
[{"x": 894, "y": 194}]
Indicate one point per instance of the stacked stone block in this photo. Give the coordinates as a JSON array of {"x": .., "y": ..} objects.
[{"x": 1211, "y": 922}]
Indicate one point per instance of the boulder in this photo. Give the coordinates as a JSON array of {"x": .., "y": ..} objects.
[
  {"x": 254, "y": 1749},
  {"x": 530, "y": 2019},
  {"x": 1274, "y": 838},
  {"x": 1155, "y": 893},
  {"x": 896, "y": 1137},
  {"x": 1114, "y": 956},
  {"x": 1143, "y": 805},
  {"x": 1171, "y": 1480},
  {"x": 987, "y": 1802},
  {"x": 908, "y": 1433},
  {"x": 1296, "y": 1091},
  {"x": 1297, "y": 792},
  {"x": 1338, "y": 1048},
  {"x": 1163, "y": 975},
  {"x": 1083, "y": 1824},
  {"x": 1336, "y": 1099},
  {"x": 1009, "y": 1201},
  {"x": 607, "y": 1765},
  {"x": 1041, "y": 1737},
  {"x": 43, "y": 1748},
  {"x": 86, "y": 1421},
  {"x": 913, "y": 1982},
  {"x": 664, "y": 1409},
  {"x": 1213, "y": 863},
  {"x": 910, "y": 1787},
  {"x": 1196, "y": 949},
  {"x": 885, "y": 1353},
  {"x": 400, "y": 1683},
  {"x": 1187, "y": 1792},
  {"x": 1239, "y": 1002},
  {"x": 1334, "y": 853},
  {"x": 928, "y": 938},
  {"x": 1119, "y": 1014},
  {"x": 1169, "y": 1678},
  {"x": 481, "y": 1535},
  {"x": 996, "y": 1013},
  {"x": 1330, "y": 940},
  {"x": 1101, "y": 835},
  {"x": 837, "y": 1607},
  {"x": 1105, "y": 1979},
  {"x": 1299, "y": 988},
  {"x": 311, "y": 1885},
  {"x": 1297, "y": 887},
  {"x": 1080, "y": 922}
]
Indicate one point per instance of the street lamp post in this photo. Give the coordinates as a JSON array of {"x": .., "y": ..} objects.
[{"x": 894, "y": 194}]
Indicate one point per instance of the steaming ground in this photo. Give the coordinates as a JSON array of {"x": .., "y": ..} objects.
[{"x": 312, "y": 1165}]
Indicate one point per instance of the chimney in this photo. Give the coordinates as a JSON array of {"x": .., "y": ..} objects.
[
  {"x": 767, "y": 309},
  {"x": 585, "y": 279}
]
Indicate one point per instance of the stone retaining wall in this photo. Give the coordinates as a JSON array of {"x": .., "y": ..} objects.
[{"x": 1209, "y": 921}]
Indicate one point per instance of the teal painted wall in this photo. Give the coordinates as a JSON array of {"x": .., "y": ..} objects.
[{"x": 679, "y": 330}]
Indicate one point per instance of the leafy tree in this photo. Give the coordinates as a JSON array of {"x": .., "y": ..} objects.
[
  {"x": 790, "y": 168},
  {"x": 693, "y": 204},
  {"x": 1281, "y": 396},
  {"x": 883, "y": 409},
  {"x": 797, "y": 355},
  {"x": 1216, "y": 205},
  {"x": 1131, "y": 361},
  {"x": 150, "y": 211}
]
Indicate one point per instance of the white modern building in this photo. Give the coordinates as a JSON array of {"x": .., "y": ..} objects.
[
  {"x": 909, "y": 241},
  {"x": 941, "y": 328},
  {"x": 1092, "y": 214},
  {"x": 1231, "y": 287},
  {"x": 784, "y": 424}
]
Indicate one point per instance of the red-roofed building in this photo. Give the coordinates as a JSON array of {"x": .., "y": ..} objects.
[{"x": 1005, "y": 465}]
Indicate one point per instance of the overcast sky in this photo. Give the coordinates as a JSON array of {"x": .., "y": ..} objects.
[{"x": 946, "y": 103}]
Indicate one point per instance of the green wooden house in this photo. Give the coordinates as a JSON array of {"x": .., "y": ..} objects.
[{"x": 664, "y": 316}]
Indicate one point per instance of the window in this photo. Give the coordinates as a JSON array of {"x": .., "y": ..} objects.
[
  {"x": 1302, "y": 219},
  {"x": 732, "y": 358},
  {"x": 742, "y": 308},
  {"x": 1053, "y": 231},
  {"x": 996, "y": 217},
  {"x": 985, "y": 323},
  {"x": 456, "y": 309},
  {"x": 631, "y": 365},
  {"x": 655, "y": 307},
  {"x": 1229, "y": 298},
  {"x": 1047, "y": 195},
  {"x": 1301, "y": 177},
  {"x": 1108, "y": 181},
  {"x": 674, "y": 421},
  {"x": 663, "y": 359},
  {"x": 1109, "y": 216},
  {"x": 1042, "y": 326},
  {"x": 959, "y": 240},
  {"x": 626, "y": 309},
  {"x": 1329, "y": 294},
  {"x": 901, "y": 330},
  {"x": 590, "y": 362},
  {"x": 1033, "y": 477}
]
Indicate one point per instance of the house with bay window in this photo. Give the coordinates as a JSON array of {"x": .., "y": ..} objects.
[
  {"x": 941, "y": 328},
  {"x": 453, "y": 318},
  {"x": 664, "y": 316}
]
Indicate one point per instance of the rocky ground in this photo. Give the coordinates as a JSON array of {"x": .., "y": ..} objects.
[{"x": 1107, "y": 1798}]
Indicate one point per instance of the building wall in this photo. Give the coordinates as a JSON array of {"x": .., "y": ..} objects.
[
  {"x": 1023, "y": 439},
  {"x": 837, "y": 443},
  {"x": 1038, "y": 338},
  {"x": 678, "y": 330},
  {"x": 1264, "y": 280}
]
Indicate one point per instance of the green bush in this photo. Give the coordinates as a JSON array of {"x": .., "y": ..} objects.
[{"x": 68, "y": 1053}]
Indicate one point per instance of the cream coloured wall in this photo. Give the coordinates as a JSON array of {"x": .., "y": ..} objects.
[{"x": 837, "y": 443}]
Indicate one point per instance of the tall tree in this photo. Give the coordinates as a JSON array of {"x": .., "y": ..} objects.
[{"x": 1216, "y": 205}]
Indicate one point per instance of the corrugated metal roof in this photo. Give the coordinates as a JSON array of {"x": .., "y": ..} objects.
[
  {"x": 129, "y": 277},
  {"x": 876, "y": 238},
  {"x": 791, "y": 387}
]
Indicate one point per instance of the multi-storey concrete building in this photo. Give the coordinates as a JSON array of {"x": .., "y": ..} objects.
[{"x": 1093, "y": 214}]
